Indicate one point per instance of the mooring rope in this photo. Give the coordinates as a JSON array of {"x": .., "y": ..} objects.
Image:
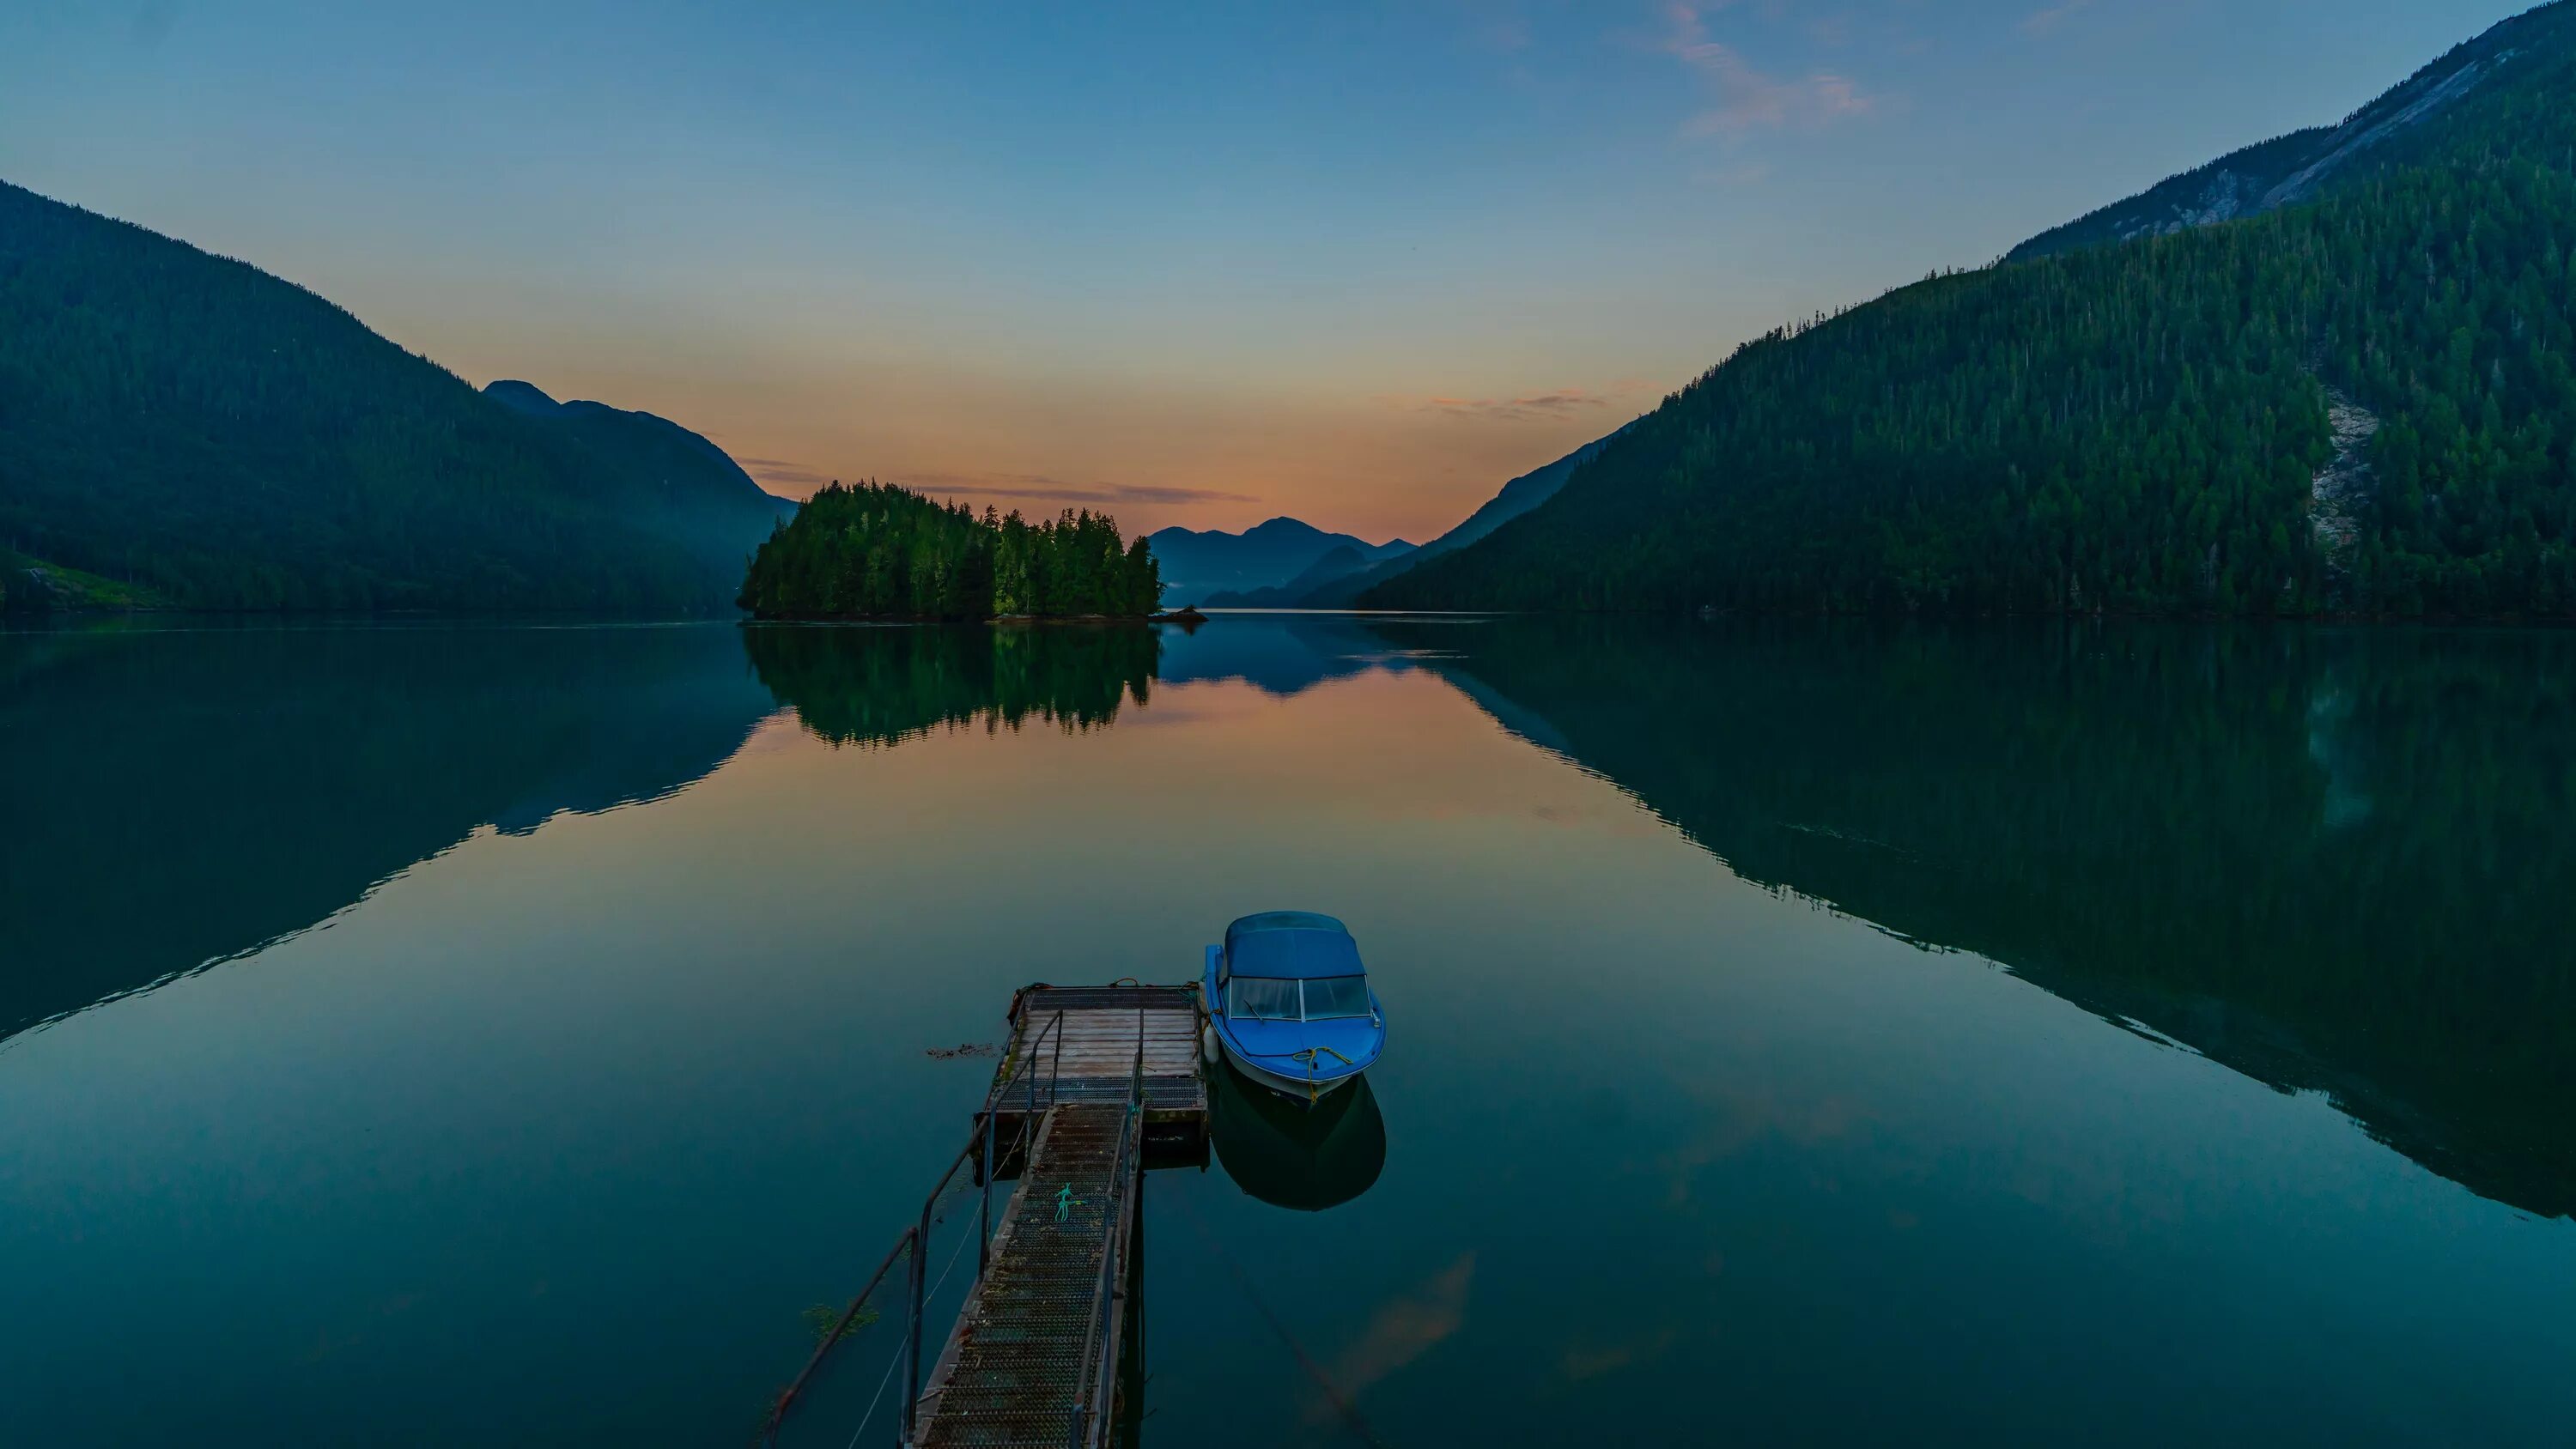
[
  {"x": 888, "y": 1376},
  {"x": 1342, "y": 1406},
  {"x": 883, "y": 1379}
]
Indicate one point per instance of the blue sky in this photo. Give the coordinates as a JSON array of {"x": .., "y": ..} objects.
[{"x": 1201, "y": 263}]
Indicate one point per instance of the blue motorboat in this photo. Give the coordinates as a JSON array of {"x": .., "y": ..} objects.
[{"x": 1289, "y": 1003}]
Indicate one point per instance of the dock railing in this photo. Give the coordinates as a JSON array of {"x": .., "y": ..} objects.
[
  {"x": 824, "y": 1401},
  {"x": 1099, "y": 1352}
]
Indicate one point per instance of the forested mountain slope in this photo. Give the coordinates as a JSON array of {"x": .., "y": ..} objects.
[
  {"x": 2139, "y": 426},
  {"x": 1516, "y": 497},
  {"x": 683, "y": 486},
  {"x": 225, "y": 439}
]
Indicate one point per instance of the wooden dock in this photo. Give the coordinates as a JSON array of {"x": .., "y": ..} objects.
[
  {"x": 1031, "y": 1359},
  {"x": 1088, "y": 1057},
  {"x": 1099, "y": 1083}
]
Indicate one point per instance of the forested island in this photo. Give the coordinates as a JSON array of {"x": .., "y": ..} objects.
[{"x": 877, "y": 551}]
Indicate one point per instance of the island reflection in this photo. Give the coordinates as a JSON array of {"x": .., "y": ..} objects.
[{"x": 884, "y": 684}]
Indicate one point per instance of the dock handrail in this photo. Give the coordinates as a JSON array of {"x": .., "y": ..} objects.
[
  {"x": 914, "y": 1240},
  {"x": 839, "y": 1330},
  {"x": 1125, "y": 1165},
  {"x": 1069, "y": 1122},
  {"x": 1022, "y": 1062}
]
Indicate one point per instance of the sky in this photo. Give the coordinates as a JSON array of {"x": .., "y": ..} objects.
[{"x": 1194, "y": 263}]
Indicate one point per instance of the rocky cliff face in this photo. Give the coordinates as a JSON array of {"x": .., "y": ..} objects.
[
  {"x": 2343, "y": 484},
  {"x": 2292, "y": 168}
]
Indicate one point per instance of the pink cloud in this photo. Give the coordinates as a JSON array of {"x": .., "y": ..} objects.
[
  {"x": 1041, "y": 488},
  {"x": 1563, "y": 402},
  {"x": 1745, "y": 99},
  {"x": 2041, "y": 22}
]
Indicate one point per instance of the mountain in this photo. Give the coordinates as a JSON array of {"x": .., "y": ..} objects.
[
  {"x": 2289, "y": 169},
  {"x": 2357, "y": 400},
  {"x": 1197, "y": 564},
  {"x": 686, "y": 488},
  {"x": 1517, "y": 497},
  {"x": 197, "y": 430},
  {"x": 1341, "y": 562}
]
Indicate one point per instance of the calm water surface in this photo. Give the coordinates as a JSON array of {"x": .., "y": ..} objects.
[{"x": 491, "y": 1034}]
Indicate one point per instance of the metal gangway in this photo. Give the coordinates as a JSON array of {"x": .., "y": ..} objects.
[{"x": 1035, "y": 1352}]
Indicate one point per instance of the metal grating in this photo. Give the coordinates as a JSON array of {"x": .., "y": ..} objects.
[{"x": 1014, "y": 1373}]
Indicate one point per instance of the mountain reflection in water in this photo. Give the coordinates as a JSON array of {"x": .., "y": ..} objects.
[
  {"x": 179, "y": 796},
  {"x": 668, "y": 1067},
  {"x": 2332, "y": 859}
]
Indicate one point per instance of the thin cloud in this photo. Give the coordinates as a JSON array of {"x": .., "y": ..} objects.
[
  {"x": 1491, "y": 24},
  {"x": 1745, "y": 99},
  {"x": 1041, "y": 488},
  {"x": 1561, "y": 402},
  {"x": 782, "y": 470},
  {"x": 2041, "y": 22},
  {"x": 1557, "y": 404}
]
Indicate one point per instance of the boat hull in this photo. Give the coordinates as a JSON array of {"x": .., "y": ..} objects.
[{"x": 1288, "y": 1086}]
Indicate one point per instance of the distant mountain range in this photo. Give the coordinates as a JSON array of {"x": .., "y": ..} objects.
[
  {"x": 1340, "y": 562},
  {"x": 1347, "y": 566},
  {"x": 180, "y": 428},
  {"x": 2324, "y": 375},
  {"x": 1198, "y": 565},
  {"x": 1517, "y": 497}
]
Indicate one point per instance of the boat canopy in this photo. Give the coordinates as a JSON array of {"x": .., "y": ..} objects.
[{"x": 1291, "y": 945}]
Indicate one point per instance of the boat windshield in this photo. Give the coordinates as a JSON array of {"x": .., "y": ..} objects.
[
  {"x": 1271, "y": 998},
  {"x": 1263, "y": 998},
  {"x": 1331, "y": 996}
]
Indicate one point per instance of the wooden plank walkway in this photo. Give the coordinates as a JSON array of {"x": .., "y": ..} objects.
[{"x": 1090, "y": 1056}]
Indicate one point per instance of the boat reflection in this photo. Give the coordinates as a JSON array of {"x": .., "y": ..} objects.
[{"x": 1291, "y": 1154}]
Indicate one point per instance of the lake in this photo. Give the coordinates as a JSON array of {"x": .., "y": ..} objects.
[{"x": 1825, "y": 1032}]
